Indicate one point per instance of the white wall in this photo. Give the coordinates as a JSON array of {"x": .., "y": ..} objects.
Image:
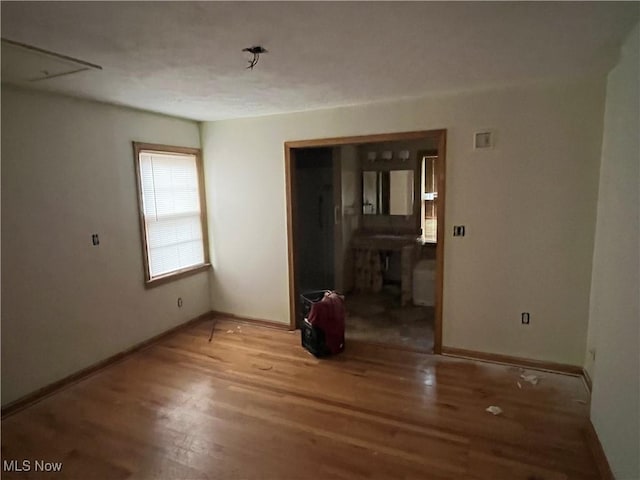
[
  {"x": 528, "y": 206},
  {"x": 614, "y": 324},
  {"x": 68, "y": 172}
]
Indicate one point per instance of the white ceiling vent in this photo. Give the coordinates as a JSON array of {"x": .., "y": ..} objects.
[
  {"x": 483, "y": 139},
  {"x": 25, "y": 63}
]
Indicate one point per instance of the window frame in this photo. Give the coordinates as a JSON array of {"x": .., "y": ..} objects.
[
  {"x": 138, "y": 148},
  {"x": 422, "y": 156}
]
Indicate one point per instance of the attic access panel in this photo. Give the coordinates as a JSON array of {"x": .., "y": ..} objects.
[{"x": 25, "y": 63}]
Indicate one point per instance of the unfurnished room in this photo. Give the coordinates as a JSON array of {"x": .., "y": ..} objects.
[{"x": 320, "y": 240}]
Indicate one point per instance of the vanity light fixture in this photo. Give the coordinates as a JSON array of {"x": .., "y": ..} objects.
[
  {"x": 371, "y": 156},
  {"x": 387, "y": 155},
  {"x": 403, "y": 155}
]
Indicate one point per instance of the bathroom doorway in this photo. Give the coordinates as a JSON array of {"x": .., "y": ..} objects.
[{"x": 388, "y": 243}]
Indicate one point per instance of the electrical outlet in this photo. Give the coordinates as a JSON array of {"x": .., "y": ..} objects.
[
  {"x": 179, "y": 302},
  {"x": 525, "y": 318}
]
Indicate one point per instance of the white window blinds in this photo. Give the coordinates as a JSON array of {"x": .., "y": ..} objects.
[{"x": 171, "y": 208}]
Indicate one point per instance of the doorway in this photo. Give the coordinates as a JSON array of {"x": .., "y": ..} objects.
[{"x": 334, "y": 226}]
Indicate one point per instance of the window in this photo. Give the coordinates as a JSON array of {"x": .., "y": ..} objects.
[
  {"x": 172, "y": 211},
  {"x": 429, "y": 198}
]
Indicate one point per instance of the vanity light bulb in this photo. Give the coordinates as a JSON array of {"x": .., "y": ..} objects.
[
  {"x": 387, "y": 155},
  {"x": 403, "y": 155},
  {"x": 371, "y": 156}
]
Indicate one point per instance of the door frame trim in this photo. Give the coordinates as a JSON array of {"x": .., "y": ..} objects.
[{"x": 289, "y": 158}]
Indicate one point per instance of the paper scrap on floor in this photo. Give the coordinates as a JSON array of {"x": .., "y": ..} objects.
[
  {"x": 532, "y": 379},
  {"x": 494, "y": 410}
]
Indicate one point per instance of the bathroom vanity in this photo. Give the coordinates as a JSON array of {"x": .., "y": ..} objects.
[{"x": 406, "y": 245}]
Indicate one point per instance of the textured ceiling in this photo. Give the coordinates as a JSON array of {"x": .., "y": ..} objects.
[{"x": 185, "y": 59}]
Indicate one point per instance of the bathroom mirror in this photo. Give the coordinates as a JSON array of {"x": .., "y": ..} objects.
[{"x": 387, "y": 192}]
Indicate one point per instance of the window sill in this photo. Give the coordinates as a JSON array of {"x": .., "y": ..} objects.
[
  {"x": 177, "y": 275},
  {"x": 422, "y": 241}
]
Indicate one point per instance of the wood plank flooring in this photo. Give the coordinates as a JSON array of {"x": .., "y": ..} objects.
[{"x": 252, "y": 404}]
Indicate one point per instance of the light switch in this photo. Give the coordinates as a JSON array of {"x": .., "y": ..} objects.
[{"x": 458, "y": 230}]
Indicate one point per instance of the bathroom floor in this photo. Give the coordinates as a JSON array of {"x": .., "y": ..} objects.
[{"x": 379, "y": 318}]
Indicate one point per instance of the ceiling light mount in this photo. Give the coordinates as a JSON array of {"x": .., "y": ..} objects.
[{"x": 256, "y": 50}]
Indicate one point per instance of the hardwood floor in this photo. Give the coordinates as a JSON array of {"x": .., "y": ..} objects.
[{"x": 253, "y": 404}]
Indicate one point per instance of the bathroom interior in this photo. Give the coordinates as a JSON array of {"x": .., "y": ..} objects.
[{"x": 366, "y": 226}]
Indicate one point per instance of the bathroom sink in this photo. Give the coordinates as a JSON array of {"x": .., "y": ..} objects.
[
  {"x": 387, "y": 240},
  {"x": 387, "y": 236}
]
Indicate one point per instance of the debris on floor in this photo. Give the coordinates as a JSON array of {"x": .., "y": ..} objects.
[
  {"x": 532, "y": 379},
  {"x": 229, "y": 331},
  {"x": 519, "y": 385},
  {"x": 494, "y": 410}
]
